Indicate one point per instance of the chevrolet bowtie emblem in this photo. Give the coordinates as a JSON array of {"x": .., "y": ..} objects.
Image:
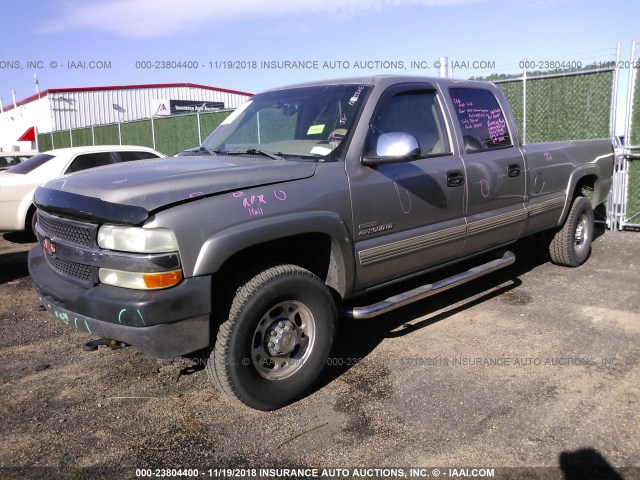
[{"x": 49, "y": 247}]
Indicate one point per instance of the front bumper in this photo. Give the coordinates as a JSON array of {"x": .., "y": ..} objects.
[{"x": 160, "y": 323}]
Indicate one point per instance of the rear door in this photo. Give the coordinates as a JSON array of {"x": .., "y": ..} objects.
[
  {"x": 407, "y": 216},
  {"x": 495, "y": 169}
]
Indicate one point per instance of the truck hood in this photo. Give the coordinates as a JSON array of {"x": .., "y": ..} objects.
[{"x": 153, "y": 184}]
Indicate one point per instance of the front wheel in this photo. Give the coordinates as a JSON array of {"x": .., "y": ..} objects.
[
  {"x": 30, "y": 222},
  {"x": 277, "y": 339},
  {"x": 571, "y": 245}
]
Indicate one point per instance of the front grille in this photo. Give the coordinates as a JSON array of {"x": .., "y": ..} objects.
[
  {"x": 63, "y": 235},
  {"x": 74, "y": 232},
  {"x": 76, "y": 271}
]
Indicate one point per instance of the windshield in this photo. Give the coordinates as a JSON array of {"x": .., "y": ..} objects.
[{"x": 303, "y": 123}]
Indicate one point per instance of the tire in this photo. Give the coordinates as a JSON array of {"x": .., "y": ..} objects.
[
  {"x": 277, "y": 339},
  {"x": 571, "y": 245},
  {"x": 30, "y": 224}
]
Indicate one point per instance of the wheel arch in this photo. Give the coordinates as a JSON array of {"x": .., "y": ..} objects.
[
  {"x": 25, "y": 208},
  {"x": 583, "y": 179},
  {"x": 327, "y": 251}
]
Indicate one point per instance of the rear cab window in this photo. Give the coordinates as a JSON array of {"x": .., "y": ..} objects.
[{"x": 481, "y": 120}]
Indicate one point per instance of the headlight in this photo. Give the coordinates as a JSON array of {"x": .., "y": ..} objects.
[
  {"x": 136, "y": 239},
  {"x": 139, "y": 281}
]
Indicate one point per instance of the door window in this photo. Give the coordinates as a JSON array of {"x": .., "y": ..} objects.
[
  {"x": 481, "y": 120},
  {"x": 414, "y": 112}
]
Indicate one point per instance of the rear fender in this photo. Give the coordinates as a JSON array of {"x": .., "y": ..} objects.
[{"x": 600, "y": 188}]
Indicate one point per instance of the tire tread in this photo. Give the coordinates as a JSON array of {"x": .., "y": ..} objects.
[
  {"x": 217, "y": 366},
  {"x": 561, "y": 248}
]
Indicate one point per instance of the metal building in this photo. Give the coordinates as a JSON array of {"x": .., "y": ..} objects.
[{"x": 59, "y": 109}]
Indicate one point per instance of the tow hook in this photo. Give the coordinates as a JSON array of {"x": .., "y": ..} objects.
[{"x": 93, "y": 345}]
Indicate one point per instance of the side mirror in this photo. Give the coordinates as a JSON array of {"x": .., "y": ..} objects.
[{"x": 394, "y": 147}]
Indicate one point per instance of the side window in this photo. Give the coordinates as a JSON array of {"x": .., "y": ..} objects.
[
  {"x": 89, "y": 160},
  {"x": 417, "y": 113},
  {"x": 481, "y": 120},
  {"x": 131, "y": 156}
]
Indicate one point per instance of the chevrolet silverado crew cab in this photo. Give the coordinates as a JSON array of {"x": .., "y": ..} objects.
[{"x": 305, "y": 198}]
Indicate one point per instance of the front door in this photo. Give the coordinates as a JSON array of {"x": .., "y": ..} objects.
[{"x": 407, "y": 215}]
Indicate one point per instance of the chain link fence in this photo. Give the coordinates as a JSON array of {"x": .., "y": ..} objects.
[
  {"x": 559, "y": 106},
  {"x": 168, "y": 135},
  {"x": 634, "y": 138},
  {"x": 566, "y": 106},
  {"x": 569, "y": 106},
  {"x": 630, "y": 217}
]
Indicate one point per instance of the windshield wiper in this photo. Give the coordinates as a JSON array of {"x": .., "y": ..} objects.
[
  {"x": 209, "y": 151},
  {"x": 274, "y": 156},
  {"x": 202, "y": 148},
  {"x": 253, "y": 151}
]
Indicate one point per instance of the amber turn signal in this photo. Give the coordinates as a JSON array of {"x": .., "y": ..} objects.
[{"x": 162, "y": 280}]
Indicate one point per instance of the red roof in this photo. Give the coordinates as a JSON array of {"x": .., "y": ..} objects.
[{"x": 120, "y": 87}]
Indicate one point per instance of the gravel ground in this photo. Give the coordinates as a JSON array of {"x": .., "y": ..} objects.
[{"x": 533, "y": 366}]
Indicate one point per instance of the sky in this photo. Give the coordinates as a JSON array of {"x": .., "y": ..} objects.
[{"x": 244, "y": 44}]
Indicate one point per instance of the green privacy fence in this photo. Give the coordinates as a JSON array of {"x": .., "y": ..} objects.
[
  {"x": 168, "y": 135},
  {"x": 635, "y": 112},
  {"x": 136, "y": 133},
  {"x": 570, "y": 106},
  {"x": 106, "y": 135},
  {"x": 564, "y": 105},
  {"x": 632, "y": 211},
  {"x": 176, "y": 131},
  {"x": 513, "y": 92}
]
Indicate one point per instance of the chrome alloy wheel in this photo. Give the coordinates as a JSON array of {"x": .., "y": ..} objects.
[
  {"x": 283, "y": 340},
  {"x": 581, "y": 237}
]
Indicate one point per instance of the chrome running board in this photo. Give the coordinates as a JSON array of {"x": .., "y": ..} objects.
[{"x": 425, "y": 291}]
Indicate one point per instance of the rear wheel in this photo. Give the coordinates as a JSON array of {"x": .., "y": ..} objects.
[
  {"x": 571, "y": 245},
  {"x": 277, "y": 339}
]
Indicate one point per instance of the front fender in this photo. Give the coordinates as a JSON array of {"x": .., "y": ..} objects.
[{"x": 226, "y": 243}]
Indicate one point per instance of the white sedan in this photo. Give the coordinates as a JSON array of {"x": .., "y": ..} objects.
[{"x": 18, "y": 183}]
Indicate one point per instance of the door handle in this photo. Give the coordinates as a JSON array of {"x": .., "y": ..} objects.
[
  {"x": 455, "y": 178},
  {"x": 513, "y": 170}
]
